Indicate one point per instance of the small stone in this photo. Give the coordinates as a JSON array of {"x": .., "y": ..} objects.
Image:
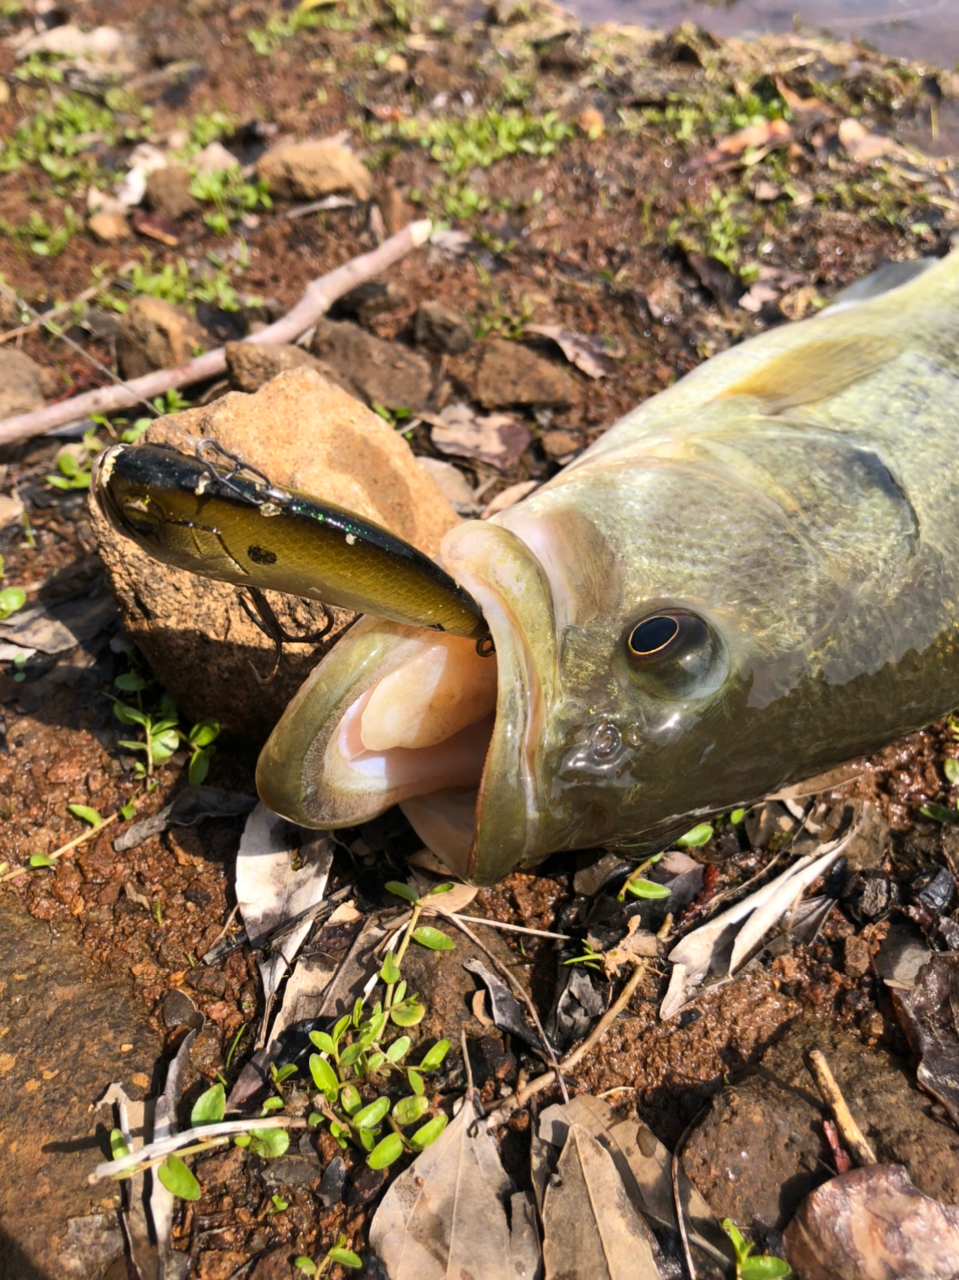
[
  {"x": 156, "y": 335},
  {"x": 396, "y": 65},
  {"x": 21, "y": 383},
  {"x": 251, "y": 364},
  {"x": 370, "y": 299},
  {"x": 168, "y": 192},
  {"x": 372, "y": 369},
  {"x": 108, "y": 228},
  {"x": 559, "y": 443},
  {"x": 857, "y": 959},
  {"x": 509, "y": 373},
  {"x": 440, "y": 328},
  {"x": 215, "y": 158},
  {"x": 309, "y": 170}
]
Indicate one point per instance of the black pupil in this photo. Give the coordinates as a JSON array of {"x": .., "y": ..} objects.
[{"x": 653, "y": 634}]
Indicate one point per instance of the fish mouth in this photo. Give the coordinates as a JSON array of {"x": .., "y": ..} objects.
[{"x": 396, "y": 715}]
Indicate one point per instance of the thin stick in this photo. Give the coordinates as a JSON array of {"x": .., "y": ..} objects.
[
  {"x": 852, "y": 1135},
  {"x": 64, "y": 308},
  {"x": 674, "y": 1169},
  {"x": 172, "y": 1142},
  {"x": 512, "y": 928},
  {"x": 316, "y": 299},
  {"x": 522, "y": 1096},
  {"x": 64, "y": 848}
]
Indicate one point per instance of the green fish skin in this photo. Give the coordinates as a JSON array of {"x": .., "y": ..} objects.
[{"x": 751, "y": 578}]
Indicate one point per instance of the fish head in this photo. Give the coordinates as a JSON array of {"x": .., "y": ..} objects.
[{"x": 614, "y": 707}]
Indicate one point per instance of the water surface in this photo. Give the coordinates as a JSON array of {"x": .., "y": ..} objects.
[{"x": 924, "y": 30}]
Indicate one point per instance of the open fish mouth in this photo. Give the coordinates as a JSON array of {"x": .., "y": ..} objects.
[{"x": 395, "y": 715}]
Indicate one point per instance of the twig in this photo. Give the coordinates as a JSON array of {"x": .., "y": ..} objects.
[
  {"x": 316, "y": 299},
  {"x": 511, "y": 928},
  {"x": 164, "y": 1146},
  {"x": 852, "y": 1135},
  {"x": 522, "y": 1096},
  {"x": 674, "y": 1168},
  {"x": 64, "y": 848},
  {"x": 64, "y": 308}
]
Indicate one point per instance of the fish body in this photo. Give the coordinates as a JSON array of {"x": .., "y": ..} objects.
[{"x": 752, "y": 577}]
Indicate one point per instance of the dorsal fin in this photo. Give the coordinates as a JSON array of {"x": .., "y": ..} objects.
[{"x": 814, "y": 371}]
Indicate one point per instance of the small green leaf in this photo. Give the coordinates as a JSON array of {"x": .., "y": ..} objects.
[
  {"x": 408, "y": 1014},
  {"x": 324, "y": 1077},
  {"x": 271, "y": 1104},
  {"x": 428, "y": 1133},
  {"x": 85, "y": 814},
  {"x": 278, "y": 1204},
  {"x": 764, "y": 1268},
  {"x": 434, "y": 1057},
  {"x": 178, "y": 1179},
  {"x": 950, "y": 767},
  {"x": 204, "y": 732},
  {"x": 939, "y": 813},
  {"x": 164, "y": 745},
  {"x": 386, "y": 1151},
  {"x": 402, "y": 891},
  {"x": 11, "y": 599},
  {"x": 323, "y": 1041},
  {"x": 367, "y": 1139},
  {"x": 409, "y": 1110},
  {"x": 314, "y": 1118},
  {"x": 199, "y": 768},
  {"x": 39, "y": 860},
  {"x": 389, "y": 973},
  {"x": 340, "y": 1027},
  {"x": 351, "y": 1054},
  {"x": 306, "y": 1265},
  {"x": 373, "y": 1062},
  {"x": 737, "y": 816},
  {"x": 699, "y": 835},
  {"x": 357, "y": 1015},
  {"x": 118, "y": 1144},
  {"x": 399, "y": 991},
  {"x": 369, "y": 1117},
  {"x": 646, "y": 889},
  {"x": 440, "y": 888},
  {"x": 130, "y": 682},
  {"x": 279, "y": 1074},
  {"x": 345, "y": 1257},
  {"x": 415, "y": 1080},
  {"x": 269, "y": 1143},
  {"x": 372, "y": 1029},
  {"x": 435, "y": 939},
  {"x": 350, "y": 1099},
  {"x": 210, "y": 1106},
  {"x": 242, "y": 1140},
  {"x": 399, "y": 1049},
  {"x": 127, "y": 810}
]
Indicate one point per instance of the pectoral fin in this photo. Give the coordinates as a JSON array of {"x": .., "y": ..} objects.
[{"x": 814, "y": 371}]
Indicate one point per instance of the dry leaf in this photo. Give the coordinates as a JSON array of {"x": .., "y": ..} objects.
[
  {"x": 189, "y": 806},
  {"x": 585, "y": 352},
  {"x": 590, "y": 1229},
  {"x": 928, "y": 1015},
  {"x": 444, "y": 1218},
  {"x": 870, "y": 1224},
  {"x": 863, "y": 145},
  {"x": 496, "y": 438}
]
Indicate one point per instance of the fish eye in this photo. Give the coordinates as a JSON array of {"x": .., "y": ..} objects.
[{"x": 676, "y": 654}]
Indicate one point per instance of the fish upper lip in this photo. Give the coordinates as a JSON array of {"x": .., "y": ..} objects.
[{"x": 511, "y": 588}]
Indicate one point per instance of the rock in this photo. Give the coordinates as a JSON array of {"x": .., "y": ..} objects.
[
  {"x": 21, "y": 383},
  {"x": 372, "y": 369},
  {"x": 168, "y": 192},
  {"x": 156, "y": 335},
  {"x": 305, "y": 433},
  {"x": 308, "y": 170},
  {"x": 251, "y": 364},
  {"x": 760, "y": 1151},
  {"x": 509, "y": 373},
  {"x": 457, "y": 490},
  {"x": 440, "y": 328},
  {"x": 215, "y": 158},
  {"x": 560, "y": 443},
  {"x": 108, "y": 228},
  {"x": 370, "y": 299}
]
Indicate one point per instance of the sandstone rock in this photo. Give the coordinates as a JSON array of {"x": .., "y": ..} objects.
[
  {"x": 21, "y": 383},
  {"x": 374, "y": 370},
  {"x": 108, "y": 228},
  {"x": 509, "y": 373},
  {"x": 156, "y": 335},
  {"x": 307, "y": 434},
  {"x": 308, "y": 170},
  {"x": 251, "y": 364}
]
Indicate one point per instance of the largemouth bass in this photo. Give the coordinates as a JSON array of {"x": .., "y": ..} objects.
[{"x": 749, "y": 579}]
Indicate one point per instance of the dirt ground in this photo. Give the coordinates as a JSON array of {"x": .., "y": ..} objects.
[{"x": 630, "y": 208}]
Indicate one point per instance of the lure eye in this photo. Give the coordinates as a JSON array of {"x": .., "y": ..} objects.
[{"x": 676, "y": 654}]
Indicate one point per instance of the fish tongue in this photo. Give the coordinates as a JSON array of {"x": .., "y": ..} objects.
[{"x": 430, "y": 698}]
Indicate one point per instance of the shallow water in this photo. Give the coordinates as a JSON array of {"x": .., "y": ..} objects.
[{"x": 924, "y": 30}]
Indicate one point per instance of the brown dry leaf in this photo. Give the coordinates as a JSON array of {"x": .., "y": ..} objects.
[
  {"x": 870, "y": 1224},
  {"x": 637, "y": 943},
  {"x": 794, "y": 102},
  {"x": 767, "y": 133},
  {"x": 590, "y": 1229},
  {"x": 445, "y": 1216},
  {"x": 644, "y": 1165},
  {"x": 863, "y": 145},
  {"x": 496, "y": 438},
  {"x": 584, "y": 351}
]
